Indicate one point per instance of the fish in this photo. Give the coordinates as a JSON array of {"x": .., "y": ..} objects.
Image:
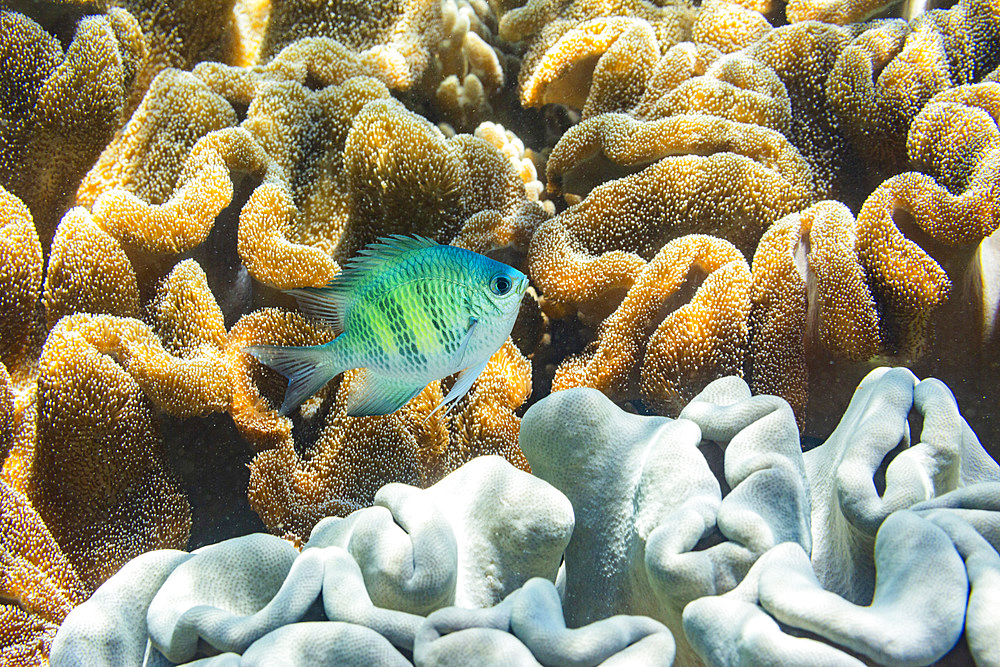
[{"x": 408, "y": 311}]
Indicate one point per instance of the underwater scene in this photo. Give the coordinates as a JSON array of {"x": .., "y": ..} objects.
[{"x": 499, "y": 332}]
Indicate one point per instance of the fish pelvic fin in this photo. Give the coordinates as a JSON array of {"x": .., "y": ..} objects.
[{"x": 308, "y": 369}]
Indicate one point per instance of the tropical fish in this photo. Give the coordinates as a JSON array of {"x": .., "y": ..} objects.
[{"x": 408, "y": 311}]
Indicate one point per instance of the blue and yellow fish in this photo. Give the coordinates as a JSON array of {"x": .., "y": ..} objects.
[{"x": 408, "y": 311}]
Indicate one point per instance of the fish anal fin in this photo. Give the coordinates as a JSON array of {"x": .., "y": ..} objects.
[{"x": 376, "y": 394}]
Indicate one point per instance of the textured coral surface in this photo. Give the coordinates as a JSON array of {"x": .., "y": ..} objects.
[{"x": 790, "y": 193}]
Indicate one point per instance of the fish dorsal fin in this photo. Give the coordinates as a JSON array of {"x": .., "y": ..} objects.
[
  {"x": 326, "y": 303},
  {"x": 376, "y": 394},
  {"x": 385, "y": 249},
  {"x": 331, "y": 303}
]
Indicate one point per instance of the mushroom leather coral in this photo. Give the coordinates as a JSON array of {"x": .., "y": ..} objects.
[
  {"x": 66, "y": 104},
  {"x": 379, "y": 165},
  {"x": 96, "y": 471},
  {"x": 20, "y": 273},
  {"x": 694, "y": 343},
  {"x": 38, "y": 583},
  {"x": 810, "y": 297}
]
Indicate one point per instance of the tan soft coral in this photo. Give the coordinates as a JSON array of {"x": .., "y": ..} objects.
[
  {"x": 6, "y": 413},
  {"x": 709, "y": 175},
  {"x": 182, "y": 33},
  {"x": 482, "y": 423},
  {"x": 392, "y": 38},
  {"x": 147, "y": 157},
  {"x": 914, "y": 236},
  {"x": 906, "y": 279},
  {"x": 97, "y": 475},
  {"x": 20, "y": 274},
  {"x": 26, "y": 638},
  {"x": 728, "y": 26},
  {"x": 802, "y": 56},
  {"x": 95, "y": 470},
  {"x": 160, "y": 187},
  {"x": 521, "y": 158},
  {"x": 88, "y": 272},
  {"x": 405, "y": 176},
  {"x": 956, "y": 134},
  {"x": 810, "y": 300},
  {"x": 327, "y": 171},
  {"x": 889, "y": 72},
  {"x": 35, "y": 572},
  {"x": 354, "y": 456},
  {"x": 205, "y": 160},
  {"x": 840, "y": 12},
  {"x": 880, "y": 82},
  {"x": 603, "y": 57},
  {"x": 610, "y": 44},
  {"x": 191, "y": 383},
  {"x": 663, "y": 344},
  {"x": 251, "y": 382},
  {"x": 736, "y": 87},
  {"x": 69, "y": 106}
]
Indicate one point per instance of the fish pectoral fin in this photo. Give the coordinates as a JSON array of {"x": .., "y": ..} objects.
[
  {"x": 461, "y": 387},
  {"x": 308, "y": 369},
  {"x": 376, "y": 394},
  {"x": 464, "y": 344}
]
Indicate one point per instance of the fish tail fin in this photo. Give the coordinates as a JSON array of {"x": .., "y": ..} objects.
[{"x": 308, "y": 369}]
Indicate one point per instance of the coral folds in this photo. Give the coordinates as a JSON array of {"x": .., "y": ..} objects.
[{"x": 787, "y": 194}]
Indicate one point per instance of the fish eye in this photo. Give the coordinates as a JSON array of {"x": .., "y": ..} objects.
[{"x": 500, "y": 284}]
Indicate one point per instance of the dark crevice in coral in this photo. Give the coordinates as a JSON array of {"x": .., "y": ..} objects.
[
  {"x": 713, "y": 537},
  {"x": 879, "y": 477},
  {"x": 218, "y": 256},
  {"x": 714, "y": 454},
  {"x": 567, "y": 337},
  {"x": 915, "y": 421},
  {"x": 57, "y": 18},
  {"x": 307, "y": 429},
  {"x": 680, "y": 297},
  {"x": 211, "y": 460},
  {"x": 583, "y": 177}
]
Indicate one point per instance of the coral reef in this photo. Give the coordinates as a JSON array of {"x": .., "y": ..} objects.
[
  {"x": 694, "y": 344},
  {"x": 66, "y": 102},
  {"x": 20, "y": 274},
  {"x": 786, "y": 195},
  {"x": 375, "y": 167},
  {"x": 819, "y": 243},
  {"x": 39, "y": 585},
  {"x": 689, "y": 539}
]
